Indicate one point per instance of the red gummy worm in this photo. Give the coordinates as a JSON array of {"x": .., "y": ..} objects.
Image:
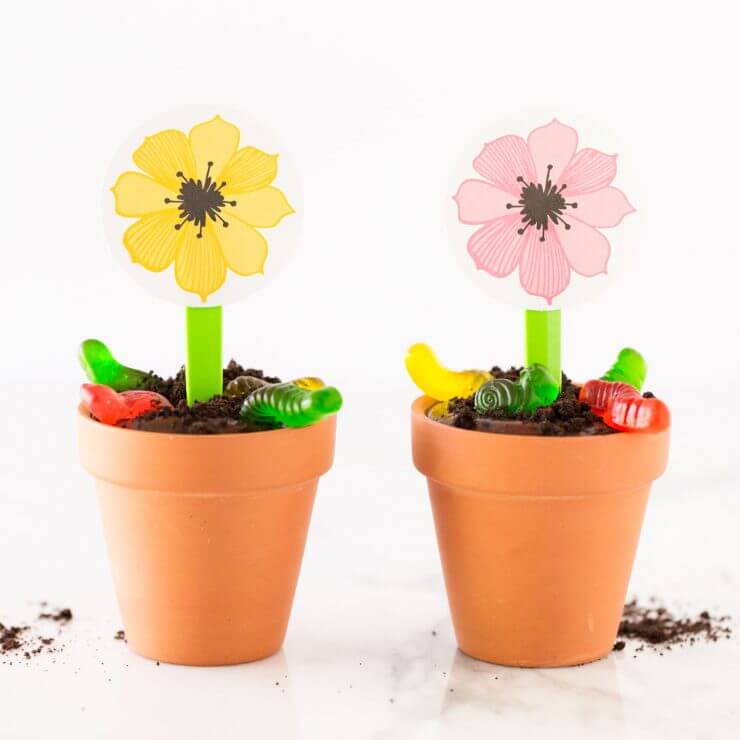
[
  {"x": 109, "y": 407},
  {"x": 630, "y": 414},
  {"x": 598, "y": 394}
]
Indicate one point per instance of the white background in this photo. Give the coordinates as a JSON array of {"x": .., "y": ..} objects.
[{"x": 374, "y": 102}]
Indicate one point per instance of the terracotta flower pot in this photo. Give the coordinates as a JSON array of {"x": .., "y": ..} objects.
[
  {"x": 205, "y": 534},
  {"x": 537, "y": 535}
]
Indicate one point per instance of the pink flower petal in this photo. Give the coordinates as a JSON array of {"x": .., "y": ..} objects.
[
  {"x": 496, "y": 247},
  {"x": 503, "y": 160},
  {"x": 479, "y": 202},
  {"x": 543, "y": 268},
  {"x": 586, "y": 249},
  {"x": 589, "y": 170},
  {"x": 554, "y": 144},
  {"x": 604, "y": 208}
]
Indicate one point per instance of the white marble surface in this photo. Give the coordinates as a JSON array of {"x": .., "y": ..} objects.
[{"x": 361, "y": 659}]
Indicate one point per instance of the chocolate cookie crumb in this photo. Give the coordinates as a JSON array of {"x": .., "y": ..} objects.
[
  {"x": 11, "y": 638},
  {"x": 219, "y": 415},
  {"x": 657, "y": 626},
  {"x": 173, "y": 389},
  {"x": 26, "y": 640},
  {"x": 61, "y": 615}
]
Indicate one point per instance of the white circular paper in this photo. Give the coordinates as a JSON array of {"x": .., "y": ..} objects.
[
  {"x": 622, "y": 238},
  {"x": 281, "y": 238}
]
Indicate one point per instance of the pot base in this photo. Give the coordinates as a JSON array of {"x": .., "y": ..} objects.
[
  {"x": 564, "y": 662},
  {"x": 210, "y": 661}
]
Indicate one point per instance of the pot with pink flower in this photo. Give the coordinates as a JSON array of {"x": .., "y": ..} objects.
[{"x": 538, "y": 485}]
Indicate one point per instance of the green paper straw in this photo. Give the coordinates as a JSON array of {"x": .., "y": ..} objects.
[
  {"x": 203, "y": 368},
  {"x": 542, "y": 337}
]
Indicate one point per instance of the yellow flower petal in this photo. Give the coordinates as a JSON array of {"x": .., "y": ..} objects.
[
  {"x": 153, "y": 240},
  {"x": 244, "y": 248},
  {"x": 199, "y": 264},
  {"x": 164, "y": 155},
  {"x": 137, "y": 195},
  {"x": 249, "y": 169},
  {"x": 264, "y": 207},
  {"x": 213, "y": 141}
]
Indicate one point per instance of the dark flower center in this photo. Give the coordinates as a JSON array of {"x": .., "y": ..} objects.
[
  {"x": 199, "y": 199},
  {"x": 540, "y": 204}
]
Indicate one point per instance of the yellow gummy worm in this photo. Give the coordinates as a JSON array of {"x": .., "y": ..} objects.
[
  {"x": 440, "y": 409},
  {"x": 309, "y": 383},
  {"x": 436, "y": 381}
]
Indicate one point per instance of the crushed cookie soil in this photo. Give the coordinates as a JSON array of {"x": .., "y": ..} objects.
[
  {"x": 567, "y": 416},
  {"x": 219, "y": 415}
]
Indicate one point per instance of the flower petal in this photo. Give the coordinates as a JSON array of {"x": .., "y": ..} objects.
[
  {"x": 553, "y": 144},
  {"x": 153, "y": 240},
  {"x": 589, "y": 170},
  {"x": 543, "y": 268},
  {"x": 244, "y": 248},
  {"x": 604, "y": 208},
  {"x": 479, "y": 202},
  {"x": 264, "y": 207},
  {"x": 137, "y": 195},
  {"x": 586, "y": 249},
  {"x": 249, "y": 169},
  {"x": 496, "y": 247},
  {"x": 164, "y": 155},
  {"x": 199, "y": 264},
  {"x": 213, "y": 141},
  {"x": 503, "y": 160}
]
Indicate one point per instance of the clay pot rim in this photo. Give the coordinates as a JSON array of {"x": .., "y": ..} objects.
[
  {"x": 205, "y": 463},
  {"x": 87, "y": 418},
  {"x": 423, "y": 403},
  {"x": 521, "y": 464}
]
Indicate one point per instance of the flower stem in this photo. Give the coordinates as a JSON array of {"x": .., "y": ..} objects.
[
  {"x": 542, "y": 337},
  {"x": 203, "y": 369}
]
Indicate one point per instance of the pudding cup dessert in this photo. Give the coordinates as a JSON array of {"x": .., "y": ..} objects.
[
  {"x": 205, "y": 516},
  {"x": 205, "y": 481},
  {"x": 537, "y": 523}
]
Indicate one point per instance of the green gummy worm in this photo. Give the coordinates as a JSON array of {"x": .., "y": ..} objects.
[
  {"x": 535, "y": 388},
  {"x": 629, "y": 368},
  {"x": 285, "y": 404},
  {"x": 102, "y": 368},
  {"x": 499, "y": 393}
]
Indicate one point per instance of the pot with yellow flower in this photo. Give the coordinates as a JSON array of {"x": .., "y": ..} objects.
[{"x": 205, "y": 481}]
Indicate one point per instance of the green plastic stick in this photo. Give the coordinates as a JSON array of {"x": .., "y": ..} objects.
[
  {"x": 203, "y": 370},
  {"x": 542, "y": 331}
]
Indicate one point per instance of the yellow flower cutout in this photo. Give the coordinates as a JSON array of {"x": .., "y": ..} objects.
[{"x": 199, "y": 205}]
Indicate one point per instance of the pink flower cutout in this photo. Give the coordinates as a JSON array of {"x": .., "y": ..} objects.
[{"x": 541, "y": 206}]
